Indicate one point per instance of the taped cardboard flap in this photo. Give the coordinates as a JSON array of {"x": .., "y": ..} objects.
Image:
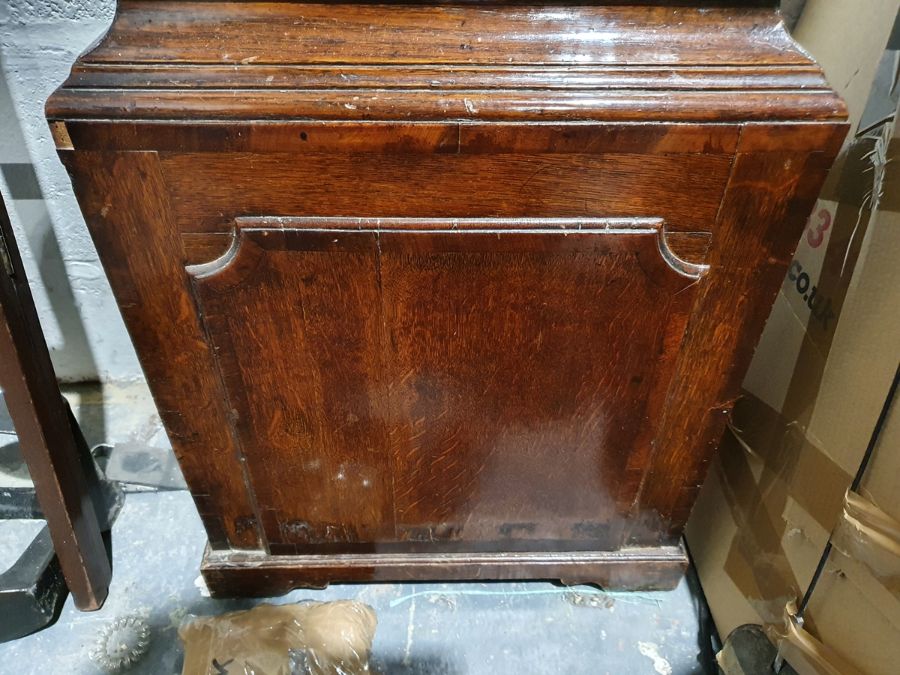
[
  {"x": 778, "y": 487},
  {"x": 870, "y": 536},
  {"x": 862, "y": 187},
  {"x": 805, "y": 653},
  {"x": 781, "y": 444},
  {"x": 761, "y": 460}
]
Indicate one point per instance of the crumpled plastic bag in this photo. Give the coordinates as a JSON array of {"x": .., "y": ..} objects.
[{"x": 309, "y": 638}]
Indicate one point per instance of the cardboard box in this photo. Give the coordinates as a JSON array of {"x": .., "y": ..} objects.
[{"x": 817, "y": 383}]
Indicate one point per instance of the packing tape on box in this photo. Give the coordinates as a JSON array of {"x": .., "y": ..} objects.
[
  {"x": 763, "y": 449},
  {"x": 766, "y": 466},
  {"x": 864, "y": 183},
  {"x": 785, "y": 452},
  {"x": 755, "y": 562},
  {"x": 756, "y": 481},
  {"x": 872, "y": 537},
  {"x": 760, "y": 455},
  {"x": 805, "y": 653}
]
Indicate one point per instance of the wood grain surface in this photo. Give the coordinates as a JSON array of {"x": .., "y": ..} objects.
[
  {"x": 413, "y": 379},
  {"x": 245, "y": 33},
  {"x": 210, "y": 190},
  {"x": 445, "y": 290},
  {"x": 402, "y": 61}
]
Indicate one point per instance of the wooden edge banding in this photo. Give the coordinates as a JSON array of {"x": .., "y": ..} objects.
[
  {"x": 448, "y": 224},
  {"x": 442, "y": 76},
  {"x": 798, "y": 136},
  {"x": 60, "y": 135},
  {"x": 616, "y": 105},
  {"x": 448, "y": 136},
  {"x": 229, "y": 573}
]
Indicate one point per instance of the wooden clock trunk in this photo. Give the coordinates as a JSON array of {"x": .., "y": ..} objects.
[{"x": 445, "y": 291}]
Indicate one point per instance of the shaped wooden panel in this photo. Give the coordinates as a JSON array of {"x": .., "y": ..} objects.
[{"x": 475, "y": 384}]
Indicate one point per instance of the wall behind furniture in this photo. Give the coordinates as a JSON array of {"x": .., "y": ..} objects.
[{"x": 39, "y": 40}]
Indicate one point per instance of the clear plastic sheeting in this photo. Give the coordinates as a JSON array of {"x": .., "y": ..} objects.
[{"x": 308, "y": 638}]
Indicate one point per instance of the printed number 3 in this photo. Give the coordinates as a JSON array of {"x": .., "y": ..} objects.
[{"x": 815, "y": 235}]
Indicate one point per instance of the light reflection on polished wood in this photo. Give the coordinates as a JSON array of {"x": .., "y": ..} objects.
[{"x": 445, "y": 291}]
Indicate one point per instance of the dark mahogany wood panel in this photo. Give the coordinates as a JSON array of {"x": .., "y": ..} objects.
[
  {"x": 758, "y": 229},
  {"x": 353, "y": 137},
  {"x": 528, "y": 369},
  {"x": 294, "y": 318},
  {"x": 209, "y": 190},
  {"x": 203, "y": 247},
  {"x": 345, "y": 239},
  {"x": 411, "y": 379},
  {"x": 246, "y": 33},
  {"x": 126, "y": 205}
]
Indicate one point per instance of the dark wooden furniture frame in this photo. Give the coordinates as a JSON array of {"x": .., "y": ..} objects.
[
  {"x": 445, "y": 291},
  {"x": 71, "y": 498}
]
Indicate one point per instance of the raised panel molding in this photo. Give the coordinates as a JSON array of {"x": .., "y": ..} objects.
[
  {"x": 684, "y": 252},
  {"x": 518, "y": 364},
  {"x": 587, "y": 315}
]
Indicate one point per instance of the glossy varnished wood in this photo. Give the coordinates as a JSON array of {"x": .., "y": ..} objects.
[
  {"x": 474, "y": 355},
  {"x": 230, "y": 573},
  {"x": 245, "y": 33},
  {"x": 124, "y": 198},
  {"x": 335, "y": 61},
  {"x": 209, "y": 190},
  {"x": 759, "y": 225},
  {"x": 355, "y": 137},
  {"x": 621, "y": 105},
  {"x": 449, "y": 291},
  {"x": 462, "y": 76}
]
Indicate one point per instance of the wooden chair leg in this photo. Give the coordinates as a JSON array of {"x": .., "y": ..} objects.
[{"x": 51, "y": 444}]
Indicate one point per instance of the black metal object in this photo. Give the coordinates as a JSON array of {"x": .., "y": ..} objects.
[
  {"x": 19, "y": 503},
  {"x": 747, "y": 651},
  {"x": 33, "y": 590},
  {"x": 59, "y": 462}
]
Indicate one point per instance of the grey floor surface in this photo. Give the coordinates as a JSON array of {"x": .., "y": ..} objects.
[
  {"x": 423, "y": 629},
  {"x": 446, "y": 629}
]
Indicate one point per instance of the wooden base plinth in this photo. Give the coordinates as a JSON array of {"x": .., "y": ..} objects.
[{"x": 240, "y": 573}]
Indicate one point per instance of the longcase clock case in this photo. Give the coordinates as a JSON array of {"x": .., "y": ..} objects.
[{"x": 444, "y": 291}]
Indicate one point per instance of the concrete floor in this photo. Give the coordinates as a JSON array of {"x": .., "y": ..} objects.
[{"x": 423, "y": 629}]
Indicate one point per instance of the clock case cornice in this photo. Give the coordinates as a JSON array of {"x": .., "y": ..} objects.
[{"x": 464, "y": 61}]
